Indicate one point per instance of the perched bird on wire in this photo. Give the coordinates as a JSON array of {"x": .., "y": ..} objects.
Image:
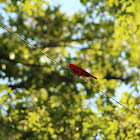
[{"x": 79, "y": 71}]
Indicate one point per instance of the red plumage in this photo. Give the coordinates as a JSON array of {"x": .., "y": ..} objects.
[{"x": 79, "y": 71}]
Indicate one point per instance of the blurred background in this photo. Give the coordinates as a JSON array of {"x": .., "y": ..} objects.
[{"x": 40, "y": 99}]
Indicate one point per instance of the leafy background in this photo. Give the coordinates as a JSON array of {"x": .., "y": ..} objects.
[{"x": 40, "y": 99}]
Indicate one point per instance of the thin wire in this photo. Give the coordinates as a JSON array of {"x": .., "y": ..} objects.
[
  {"x": 110, "y": 97},
  {"x": 67, "y": 69},
  {"x": 33, "y": 46}
]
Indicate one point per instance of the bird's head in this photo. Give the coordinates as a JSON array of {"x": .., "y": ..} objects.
[{"x": 71, "y": 65}]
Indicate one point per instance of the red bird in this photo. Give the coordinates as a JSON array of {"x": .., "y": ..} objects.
[{"x": 79, "y": 71}]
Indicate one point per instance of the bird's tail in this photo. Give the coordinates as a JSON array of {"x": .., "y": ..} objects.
[{"x": 93, "y": 77}]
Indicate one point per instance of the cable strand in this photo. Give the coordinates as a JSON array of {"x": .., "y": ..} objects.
[
  {"x": 32, "y": 46},
  {"x": 67, "y": 68},
  {"x": 110, "y": 97}
]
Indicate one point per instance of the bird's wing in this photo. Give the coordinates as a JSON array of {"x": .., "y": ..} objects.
[{"x": 81, "y": 71}]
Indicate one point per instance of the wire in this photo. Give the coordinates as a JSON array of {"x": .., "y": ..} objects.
[
  {"x": 33, "y": 46},
  {"x": 67, "y": 69},
  {"x": 111, "y": 98}
]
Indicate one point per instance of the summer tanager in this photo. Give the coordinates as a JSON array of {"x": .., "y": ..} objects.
[{"x": 79, "y": 71}]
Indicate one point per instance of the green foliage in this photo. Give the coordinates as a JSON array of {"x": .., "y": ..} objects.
[{"x": 41, "y": 100}]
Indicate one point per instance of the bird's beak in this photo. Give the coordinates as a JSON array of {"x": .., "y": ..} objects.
[{"x": 67, "y": 66}]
